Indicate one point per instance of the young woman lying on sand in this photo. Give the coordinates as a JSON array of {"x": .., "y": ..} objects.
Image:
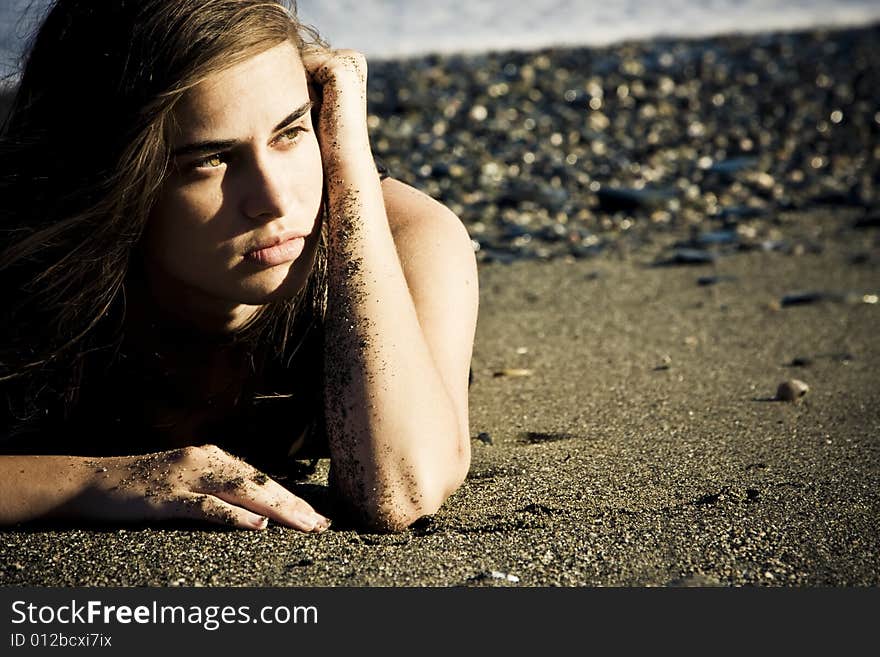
[{"x": 206, "y": 277}]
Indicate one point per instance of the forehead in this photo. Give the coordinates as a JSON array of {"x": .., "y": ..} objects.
[{"x": 248, "y": 95}]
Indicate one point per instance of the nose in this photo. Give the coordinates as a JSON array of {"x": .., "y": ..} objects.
[{"x": 265, "y": 195}]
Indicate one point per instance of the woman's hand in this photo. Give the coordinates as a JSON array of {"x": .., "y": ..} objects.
[
  {"x": 338, "y": 83},
  {"x": 329, "y": 67},
  {"x": 197, "y": 483}
]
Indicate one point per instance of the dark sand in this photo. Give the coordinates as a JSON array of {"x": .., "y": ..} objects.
[
  {"x": 644, "y": 450},
  {"x": 645, "y": 447}
]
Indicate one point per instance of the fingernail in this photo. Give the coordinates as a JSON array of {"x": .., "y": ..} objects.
[
  {"x": 323, "y": 524},
  {"x": 307, "y": 520},
  {"x": 261, "y": 522}
]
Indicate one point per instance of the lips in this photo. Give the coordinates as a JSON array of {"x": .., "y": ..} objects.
[{"x": 277, "y": 251}]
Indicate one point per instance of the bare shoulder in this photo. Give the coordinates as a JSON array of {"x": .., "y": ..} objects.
[
  {"x": 421, "y": 224},
  {"x": 438, "y": 262},
  {"x": 430, "y": 239}
]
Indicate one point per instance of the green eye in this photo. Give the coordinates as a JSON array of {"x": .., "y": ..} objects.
[
  {"x": 211, "y": 161},
  {"x": 292, "y": 134}
]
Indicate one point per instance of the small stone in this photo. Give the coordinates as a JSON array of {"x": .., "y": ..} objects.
[
  {"x": 791, "y": 390},
  {"x": 805, "y": 298},
  {"x": 479, "y": 113},
  {"x": 685, "y": 256},
  {"x": 485, "y": 438},
  {"x": 513, "y": 371},
  {"x": 704, "y": 281}
]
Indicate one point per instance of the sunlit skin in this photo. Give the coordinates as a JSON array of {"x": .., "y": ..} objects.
[
  {"x": 243, "y": 175},
  {"x": 401, "y": 273}
]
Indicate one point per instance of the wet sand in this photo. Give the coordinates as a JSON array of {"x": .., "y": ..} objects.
[{"x": 644, "y": 449}]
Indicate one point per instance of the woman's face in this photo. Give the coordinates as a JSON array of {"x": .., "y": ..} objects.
[{"x": 236, "y": 224}]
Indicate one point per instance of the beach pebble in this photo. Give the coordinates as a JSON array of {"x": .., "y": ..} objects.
[
  {"x": 868, "y": 221},
  {"x": 858, "y": 297},
  {"x": 791, "y": 390},
  {"x": 804, "y": 298},
  {"x": 513, "y": 372},
  {"x": 485, "y": 438},
  {"x": 613, "y": 199},
  {"x": 704, "y": 281},
  {"x": 687, "y": 257}
]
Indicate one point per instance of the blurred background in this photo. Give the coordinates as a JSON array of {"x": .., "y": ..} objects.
[
  {"x": 392, "y": 28},
  {"x": 567, "y": 128}
]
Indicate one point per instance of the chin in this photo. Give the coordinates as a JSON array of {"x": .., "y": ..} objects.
[{"x": 276, "y": 284}]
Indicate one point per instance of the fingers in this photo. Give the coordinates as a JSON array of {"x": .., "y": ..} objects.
[
  {"x": 323, "y": 65},
  {"x": 235, "y": 482},
  {"x": 269, "y": 498},
  {"x": 201, "y": 506},
  {"x": 315, "y": 58}
]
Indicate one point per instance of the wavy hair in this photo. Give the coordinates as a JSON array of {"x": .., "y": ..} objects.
[{"x": 83, "y": 154}]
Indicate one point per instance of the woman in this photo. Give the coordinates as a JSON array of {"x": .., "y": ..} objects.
[{"x": 208, "y": 276}]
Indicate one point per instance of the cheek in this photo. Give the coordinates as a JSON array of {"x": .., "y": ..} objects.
[
  {"x": 178, "y": 227},
  {"x": 310, "y": 174}
]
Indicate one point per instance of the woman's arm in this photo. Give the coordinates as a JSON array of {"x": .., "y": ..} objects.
[
  {"x": 201, "y": 483},
  {"x": 400, "y": 321}
]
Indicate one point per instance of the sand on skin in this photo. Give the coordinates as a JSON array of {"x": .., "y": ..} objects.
[{"x": 655, "y": 455}]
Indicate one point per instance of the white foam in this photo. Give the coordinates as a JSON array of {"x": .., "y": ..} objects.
[{"x": 394, "y": 28}]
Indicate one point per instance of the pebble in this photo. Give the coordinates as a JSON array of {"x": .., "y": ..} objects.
[
  {"x": 704, "y": 281},
  {"x": 614, "y": 199},
  {"x": 687, "y": 257},
  {"x": 495, "y": 574},
  {"x": 513, "y": 372},
  {"x": 805, "y": 298},
  {"x": 868, "y": 221},
  {"x": 485, "y": 438},
  {"x": 791, "y": 390}
]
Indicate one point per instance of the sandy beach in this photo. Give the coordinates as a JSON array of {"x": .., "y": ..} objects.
[
  {"x": 644, "y": 449},
  {"x": 641, "y": 302}
]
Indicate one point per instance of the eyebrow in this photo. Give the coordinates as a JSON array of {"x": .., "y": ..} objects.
[{"x": 215, "y": 145}]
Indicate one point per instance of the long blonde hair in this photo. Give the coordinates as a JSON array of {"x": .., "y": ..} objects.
[{"x": 83, "y": 153}]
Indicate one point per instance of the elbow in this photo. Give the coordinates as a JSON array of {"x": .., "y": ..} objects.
[
  {"x": 395, "y": 512},
  {"x": 391, "y": 518},
  {"x": 413, "y": 497}
]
